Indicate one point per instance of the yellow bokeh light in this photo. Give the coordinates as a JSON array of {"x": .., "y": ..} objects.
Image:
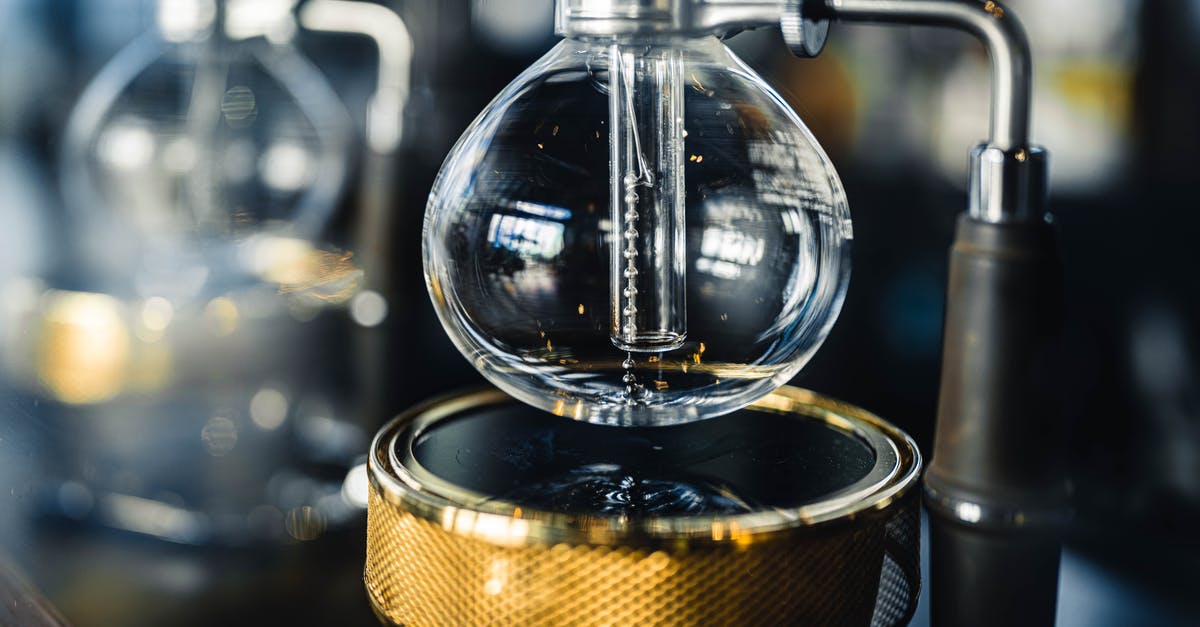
[
  {"x": 83, "y": 355},
  {"x": 222, "y": 315}
]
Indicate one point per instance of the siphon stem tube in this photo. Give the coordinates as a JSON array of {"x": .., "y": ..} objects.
[{"x": 646, "y": 170}]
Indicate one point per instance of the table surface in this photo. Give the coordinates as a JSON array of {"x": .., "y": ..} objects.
[{"x": 97, "y": 578}]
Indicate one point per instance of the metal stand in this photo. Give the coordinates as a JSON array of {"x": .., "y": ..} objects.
[{"x": 995, "y": 489}]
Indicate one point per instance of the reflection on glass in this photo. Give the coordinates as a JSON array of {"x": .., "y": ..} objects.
[{"x": 637, "y": 235}]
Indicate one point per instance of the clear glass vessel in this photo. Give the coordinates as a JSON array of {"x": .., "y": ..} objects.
[{"x": 638, "y": 233}]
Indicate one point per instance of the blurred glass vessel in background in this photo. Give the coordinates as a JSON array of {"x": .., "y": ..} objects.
[
  {"x": 192, "y": 374},
  {"x": 200, "y": 145},
  {"x": 638, "y": 233}
]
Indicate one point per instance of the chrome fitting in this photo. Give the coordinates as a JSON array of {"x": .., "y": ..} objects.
[
  {"x": 624, "y": 18},
  {"x": 1007, "y": 185}
]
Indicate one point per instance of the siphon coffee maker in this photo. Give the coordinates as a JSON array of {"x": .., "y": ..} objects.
[{"x": 639, "y": 238}]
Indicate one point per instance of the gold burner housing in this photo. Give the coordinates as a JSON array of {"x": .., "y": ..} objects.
[{"x": 438, "y": 554}]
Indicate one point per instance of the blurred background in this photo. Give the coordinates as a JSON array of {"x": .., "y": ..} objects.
[{"x": 211, "y": 294}]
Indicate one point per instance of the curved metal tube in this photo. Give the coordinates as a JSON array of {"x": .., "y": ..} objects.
[
  {"x": 385, "y": 113},
  {"x": 990, "y": 21},
  {"x": 1000, "y": 32}
]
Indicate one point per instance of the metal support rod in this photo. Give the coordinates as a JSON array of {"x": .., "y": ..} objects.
[
  {"x": 995, "y": 488},
  {"x": 1000, "y": 32},
  {"x": 1007, "y": 175}
]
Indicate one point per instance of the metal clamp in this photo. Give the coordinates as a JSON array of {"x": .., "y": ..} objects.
[{"x": 623, "y": 18}]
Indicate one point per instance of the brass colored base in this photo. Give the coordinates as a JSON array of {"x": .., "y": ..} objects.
[{"x": 465, "y": 567}]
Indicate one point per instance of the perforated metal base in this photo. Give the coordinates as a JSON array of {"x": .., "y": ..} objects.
[{"x": 431, "y": 561}]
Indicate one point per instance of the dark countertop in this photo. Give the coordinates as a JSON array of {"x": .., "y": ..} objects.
[{"x": 97, "y": 578}]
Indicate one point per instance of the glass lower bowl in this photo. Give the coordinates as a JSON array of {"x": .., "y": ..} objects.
[{"x": 796, "y": 510}]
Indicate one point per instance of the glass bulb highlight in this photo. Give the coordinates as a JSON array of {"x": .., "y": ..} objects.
[{"x": 637, "y": 233}]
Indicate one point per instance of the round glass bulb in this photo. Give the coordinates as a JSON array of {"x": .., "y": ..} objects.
[{"x": 637, "y": 234}]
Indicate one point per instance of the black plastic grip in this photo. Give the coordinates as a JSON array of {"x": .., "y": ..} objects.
[
  {"x": 995, "y": 488},
  {"x": 990, "y": 578}
]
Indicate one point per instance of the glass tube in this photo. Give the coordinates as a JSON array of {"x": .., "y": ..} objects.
[{"x": 646, "y": 170}]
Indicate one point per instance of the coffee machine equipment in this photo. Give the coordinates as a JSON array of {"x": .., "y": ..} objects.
[{"x": 638, "y": 233}]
